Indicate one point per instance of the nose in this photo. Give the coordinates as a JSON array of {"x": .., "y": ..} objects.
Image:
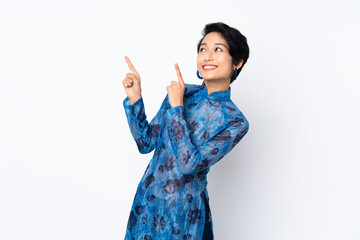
[{"x": 209, "y": 56}]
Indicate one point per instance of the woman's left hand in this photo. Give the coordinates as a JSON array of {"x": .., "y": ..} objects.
[{"x": 176, "y": 90}]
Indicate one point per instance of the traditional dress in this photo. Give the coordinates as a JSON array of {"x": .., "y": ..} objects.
[{"x": 171, "y": 201}]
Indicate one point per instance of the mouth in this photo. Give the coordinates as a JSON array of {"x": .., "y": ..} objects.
[{"x": 209, "y": 67}]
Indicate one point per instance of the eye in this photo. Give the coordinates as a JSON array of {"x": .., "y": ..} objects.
[
  {"x": 218, "y": 48},
  {"x": 201, "y": 49}
]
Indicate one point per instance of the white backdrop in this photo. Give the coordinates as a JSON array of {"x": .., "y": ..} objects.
[{"x": 69, "y": 167}]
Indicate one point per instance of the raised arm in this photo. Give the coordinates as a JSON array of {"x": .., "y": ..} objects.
[{"x": 192, "y": 159}]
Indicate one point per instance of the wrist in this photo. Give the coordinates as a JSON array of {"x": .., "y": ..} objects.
[{"x": 134, "y": 99}]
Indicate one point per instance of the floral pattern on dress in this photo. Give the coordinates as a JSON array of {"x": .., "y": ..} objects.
[{"x": 170, "y": 199}]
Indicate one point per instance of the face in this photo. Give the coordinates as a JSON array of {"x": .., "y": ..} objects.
[{"x": 214, "y": 61}]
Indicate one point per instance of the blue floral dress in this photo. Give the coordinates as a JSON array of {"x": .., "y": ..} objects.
[{"x": 171, "y": 198}]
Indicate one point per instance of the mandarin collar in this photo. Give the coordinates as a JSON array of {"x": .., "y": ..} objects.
[{"x": 217, "y": 95}]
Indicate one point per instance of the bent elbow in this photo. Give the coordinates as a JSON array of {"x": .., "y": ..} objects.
[
  {"x": 143, "y": 146},
  {"x": 143, "y": 151}
]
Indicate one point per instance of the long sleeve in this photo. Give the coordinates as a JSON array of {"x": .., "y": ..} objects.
[
  {"x": 145, "y": 134},
  {"x": 192, "y": 159}
]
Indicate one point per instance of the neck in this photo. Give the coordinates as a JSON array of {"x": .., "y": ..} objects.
[{"x": 217, "y": 85}]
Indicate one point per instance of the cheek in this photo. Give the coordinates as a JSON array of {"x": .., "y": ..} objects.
[
  {"x": 227, "y": 63},
  {"x": 198, "y": 63}
]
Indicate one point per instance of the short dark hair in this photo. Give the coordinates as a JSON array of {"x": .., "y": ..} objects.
[{"x": 237, "y": 42}]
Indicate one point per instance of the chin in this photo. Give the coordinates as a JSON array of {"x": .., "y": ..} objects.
[{"x": 211, "y": 78}]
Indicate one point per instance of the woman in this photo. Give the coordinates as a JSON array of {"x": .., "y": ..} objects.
[{"x": 196, "y": 126}]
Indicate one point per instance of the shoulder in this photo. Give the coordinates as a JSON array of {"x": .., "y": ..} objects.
[
  {"x": 190, "y": 89},
  {"x": 234, "y": 117}
]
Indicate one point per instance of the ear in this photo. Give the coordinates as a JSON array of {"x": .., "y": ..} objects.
[{"x": 239, "y": 64}]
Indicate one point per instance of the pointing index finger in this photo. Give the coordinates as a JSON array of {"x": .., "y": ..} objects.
[
  {"x": 178, "y": 73},
  {"x": 130, "y": 64}
]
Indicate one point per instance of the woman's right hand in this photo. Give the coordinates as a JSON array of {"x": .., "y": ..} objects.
[{"x": 132, "y": 83}]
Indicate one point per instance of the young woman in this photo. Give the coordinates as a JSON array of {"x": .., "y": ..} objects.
[{"x": 196, "y": 126}]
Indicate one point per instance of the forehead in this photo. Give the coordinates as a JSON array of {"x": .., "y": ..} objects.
[{"x": 214, "y": 37}]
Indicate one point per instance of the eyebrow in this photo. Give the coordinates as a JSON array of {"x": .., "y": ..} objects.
[{"x": 215, "y": 44}]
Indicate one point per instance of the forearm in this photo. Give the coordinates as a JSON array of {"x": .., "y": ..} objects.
[{"x": 139, "y": 127}]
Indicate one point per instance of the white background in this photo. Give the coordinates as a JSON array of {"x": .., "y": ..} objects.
[{"x": 69, "y": 167}]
